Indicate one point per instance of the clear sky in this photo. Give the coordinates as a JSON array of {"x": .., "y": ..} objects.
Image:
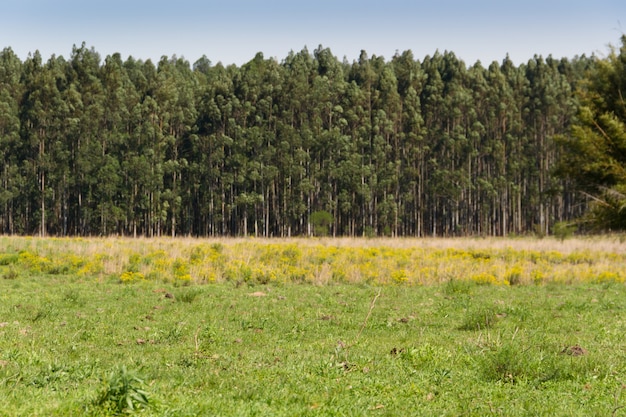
[{"x": 233, "y": 31}]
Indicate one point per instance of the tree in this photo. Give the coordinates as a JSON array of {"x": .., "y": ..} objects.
[
  {"x": 595, "y": 152},
  {"x": 10, "y": 152},
  {"x": 43, "y": 114},
  {"x": 88, "y": 135},
  {"x": 400, "y": 147}
]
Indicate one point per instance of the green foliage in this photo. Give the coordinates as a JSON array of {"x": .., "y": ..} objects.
[
  {"x": 72, "y": 296},
  {"x": 457, "y": 286},
  {"x": 479, "y": 318},
  {"x": 405, "y": 147},
  {"x": 513, "y": 363},
  {"x": 321, "y": 221},
  {"x": 122, "y": 391},
  {"x": 8, "y": 258},
  {"x": 10, "y": 273},
  {"x": 563, "y": 230},
  {"x": 595, "y": 153},
  {"x": 508, "y": 363},
  {"x": 188, "y": 295}
]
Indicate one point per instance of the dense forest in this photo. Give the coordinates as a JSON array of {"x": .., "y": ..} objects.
[{"x": 311, "y": 144}]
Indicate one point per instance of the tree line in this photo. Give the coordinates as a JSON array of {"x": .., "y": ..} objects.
[{"x": 403, "y": 147}]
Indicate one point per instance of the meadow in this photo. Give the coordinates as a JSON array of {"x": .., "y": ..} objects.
[{"x": 319, "y": 327}]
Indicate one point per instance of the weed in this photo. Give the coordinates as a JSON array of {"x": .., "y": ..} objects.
[
  {"x": 508, "y": 363},
  {"x": 514, "y": 275},
  {"x": 479, "y": 318},
  {"x": 122, "y": 391},
  {"x": 72, "y": 296},
  {"x": 130, "y": 276},
  {"x": 11, "y": 273},
  {"x": 134, "y": 263},
  {"x": 512, "y": 363},
  {"x": 457, "y": 286},
  {"x": 8, "y": 258},
  {"x": 173, "y": 335},
  {"x": 204, "y": 338},
  {"x": 217, "y": 247},
  {"x": 188, "y": 295},
  {"x": 45, "y": 311}
]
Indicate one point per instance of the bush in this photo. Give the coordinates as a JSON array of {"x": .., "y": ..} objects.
[
  {"x": 321, "y": 221},
  {"x": 562, "y": 230}
]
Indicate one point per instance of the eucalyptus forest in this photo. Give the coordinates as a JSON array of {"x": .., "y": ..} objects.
[{"x": 310, "y": 144}]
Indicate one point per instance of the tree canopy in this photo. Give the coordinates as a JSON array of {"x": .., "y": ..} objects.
[
  {"x": 595, "y": 157},
  {"x": 403, "y": 147}
]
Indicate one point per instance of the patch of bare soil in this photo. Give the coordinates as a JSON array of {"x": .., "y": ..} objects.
[{"x": 575, "y": 350}]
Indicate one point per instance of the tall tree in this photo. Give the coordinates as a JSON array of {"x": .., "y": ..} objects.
[
  {"x": 413, "y": 149},
  {"x": 10, "y": 149},
  {"x": 43, "y": 114},
  {"x": 595, "y": 152},
  {"x": 87, "y": 137},
  {"x": 175, "y": 94},
  {"x": 398, "y": 147}
]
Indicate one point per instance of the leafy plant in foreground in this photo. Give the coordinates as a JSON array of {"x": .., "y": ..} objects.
[{"x": 122, "y": 391}]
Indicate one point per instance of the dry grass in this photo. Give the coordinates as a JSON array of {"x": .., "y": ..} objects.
[
  {"x": 326, "y": 260},
  {"x": 610, "y": 243},
  {"x": 178, "y": 246}
]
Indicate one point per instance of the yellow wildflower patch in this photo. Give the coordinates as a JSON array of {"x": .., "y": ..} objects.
[{"x": 322, "y": 261}]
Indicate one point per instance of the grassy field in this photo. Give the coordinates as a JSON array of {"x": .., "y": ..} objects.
[{"x": 312, "y": 327}]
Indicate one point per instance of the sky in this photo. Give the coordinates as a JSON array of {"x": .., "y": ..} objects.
[{"x": 233, "y": 31}]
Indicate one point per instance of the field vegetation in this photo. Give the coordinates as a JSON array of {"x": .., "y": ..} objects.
[
  {"x": 320, "y": 261},
  {"x": 183, "y": 327}
]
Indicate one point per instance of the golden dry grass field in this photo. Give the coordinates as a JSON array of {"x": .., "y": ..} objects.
[{"x": 496, "y": 261}]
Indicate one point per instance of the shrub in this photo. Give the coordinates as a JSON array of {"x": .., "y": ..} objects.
[
  {"x": 130, "y": 276},
  {"x": 180, "y": 268},
  {"x": 484, "y": 278},
  {"x": 321, "y": 221},
  {"x": 562, "y": 230},
  {"x": 608, "y": 277},
  {"x": 514, "y": 275}
]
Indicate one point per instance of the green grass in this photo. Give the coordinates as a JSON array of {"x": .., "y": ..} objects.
[{"x": 71, "y": 346}]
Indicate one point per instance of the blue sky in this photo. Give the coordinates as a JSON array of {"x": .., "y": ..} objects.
[{"x": 233, "y": 31}]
